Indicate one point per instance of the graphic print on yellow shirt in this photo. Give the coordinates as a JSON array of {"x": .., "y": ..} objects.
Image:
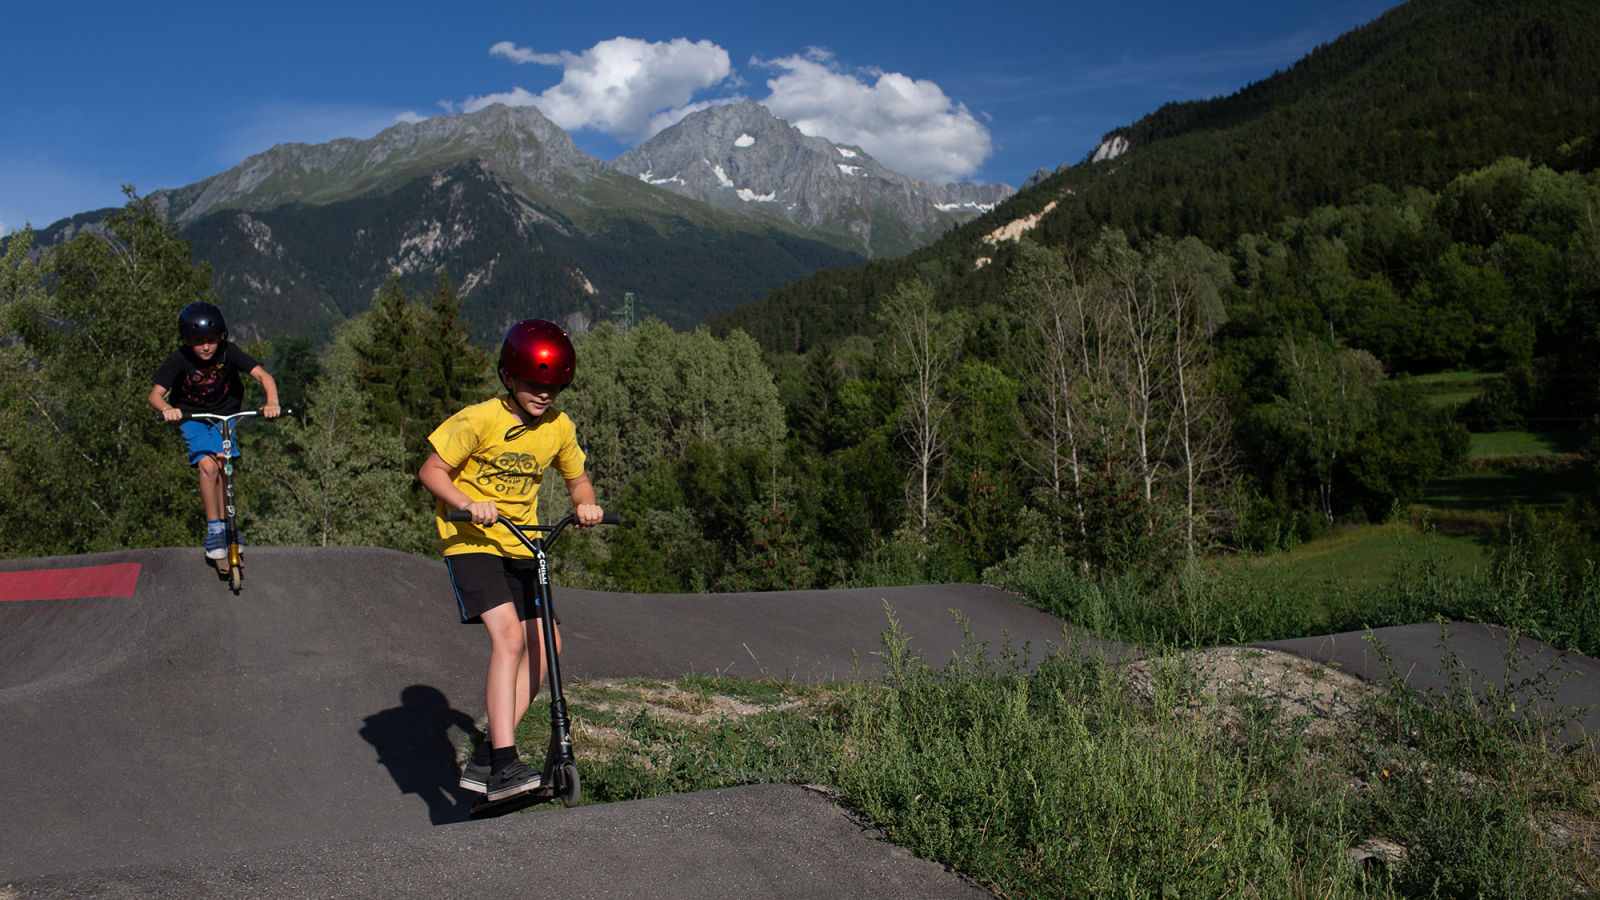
[{"x": 493, "y": 456}]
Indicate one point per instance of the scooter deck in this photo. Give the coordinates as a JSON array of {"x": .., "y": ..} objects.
[{"x": 488, "y": 809}]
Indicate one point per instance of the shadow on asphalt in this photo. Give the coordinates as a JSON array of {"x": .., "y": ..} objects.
[{"x": 414, "y": 743}]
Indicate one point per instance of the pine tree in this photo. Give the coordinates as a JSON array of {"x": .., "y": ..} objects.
[
  {"x": 418, "y": 366},
  {"x": 453, "y": 367}
]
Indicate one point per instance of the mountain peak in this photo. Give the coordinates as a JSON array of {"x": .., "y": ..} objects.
[
  {"x": 518, "y": 141},
  {"x": 741, "y": 156}
]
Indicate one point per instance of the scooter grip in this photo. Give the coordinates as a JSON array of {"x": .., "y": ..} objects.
[
  {"x": 611, "y": 519},
  {"x": 458, "y": 515}
]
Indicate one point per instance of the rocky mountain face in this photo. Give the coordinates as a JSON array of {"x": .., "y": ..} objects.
[
  {"x": 522, "y": 222},
  {"x": 714, "y": 212},
  {"x": 1041, "y": 174},
  {"x": 744, "y": 158},
  {"x": 518, "y": 144}
]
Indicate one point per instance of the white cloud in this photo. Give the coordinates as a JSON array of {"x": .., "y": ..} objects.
[
  {"x": 409, "y": 116},
  {"x": 908, "y": 125},
  {"x": 625, "y": 87},
  {"x": 631, "y": 89},
  {"x": 524, "y": 55}
]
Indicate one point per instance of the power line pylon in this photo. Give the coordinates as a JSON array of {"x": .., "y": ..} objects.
[{"x": 626, "y": 312}]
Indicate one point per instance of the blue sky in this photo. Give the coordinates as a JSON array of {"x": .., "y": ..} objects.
[{"x": 162, "y": 94}]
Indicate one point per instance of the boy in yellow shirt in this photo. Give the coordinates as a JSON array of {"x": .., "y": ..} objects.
[{"x": 490, "y": 459}]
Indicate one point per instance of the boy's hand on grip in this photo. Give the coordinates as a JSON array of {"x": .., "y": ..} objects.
[
  {"x": 483, "y": 512},
  {"x": 589, "y": 514},
  {"x": 171, "y": 414}
]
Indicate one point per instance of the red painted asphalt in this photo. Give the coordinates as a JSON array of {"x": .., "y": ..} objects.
[{"x": 80, "y": 583}]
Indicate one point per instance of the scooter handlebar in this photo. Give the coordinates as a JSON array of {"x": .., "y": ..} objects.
[
  {"x": 189, "y": 417},
  {"x": 461, "y": 515}
]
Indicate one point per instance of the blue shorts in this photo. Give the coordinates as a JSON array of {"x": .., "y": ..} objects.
[{"x": 203, "y": 439}]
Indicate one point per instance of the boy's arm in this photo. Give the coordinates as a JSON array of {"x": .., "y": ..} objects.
[
  {"x": 158, "y": 399},
  {"x": 270, "y": 409},
  {"x": 435, "y": 476},
  {"x": 582, "y": 493}
]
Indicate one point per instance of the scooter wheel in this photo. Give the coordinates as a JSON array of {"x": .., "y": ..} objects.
[
  {"x": 567, "y": 782},
  {"x": 236, "y": 577}
]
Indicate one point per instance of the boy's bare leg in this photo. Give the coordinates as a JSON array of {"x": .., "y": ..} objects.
[
  {"x": 531, "y": 670},
  {"x": 211, "y": 486},
  {"x": 516, "y": 670},
  {"x": 211, "y": 494},
  {"x": 508, "y": 644}
]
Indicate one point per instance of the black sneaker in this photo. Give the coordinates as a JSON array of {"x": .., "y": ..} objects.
[
  {"x": 516, "y": 778},
  {"x": 475, "y": 776}
]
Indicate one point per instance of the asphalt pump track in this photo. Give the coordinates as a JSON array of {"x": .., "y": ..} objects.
[{"x": 160, "y": 736}]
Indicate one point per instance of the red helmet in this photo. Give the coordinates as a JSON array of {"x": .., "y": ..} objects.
[{"x": 538, "y": 351}]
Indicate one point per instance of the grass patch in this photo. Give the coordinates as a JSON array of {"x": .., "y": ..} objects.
[
  {"x": 1447, "y": 389},
  {"x": 1170, "y": 777},
  {"x": 1370, "y": 554},
  {"x": 1523, "y": 443},
  {"x": 1527, "y": 585},
  {"x": 1502, "y": 488},
  {"x": 1449, "y": 400}
]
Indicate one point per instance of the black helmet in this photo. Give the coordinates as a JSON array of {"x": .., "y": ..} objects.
[{"x": 201, "y": 320}]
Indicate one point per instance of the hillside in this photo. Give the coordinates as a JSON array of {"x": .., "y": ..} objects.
[
  {"x": 301, "y": 236},
  {"x": 1429, "y": 91}
]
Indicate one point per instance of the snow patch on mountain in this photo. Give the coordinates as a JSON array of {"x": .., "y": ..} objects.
[
  {"x": 744, "y": 140},
  {"x": 649, "y": 178}
]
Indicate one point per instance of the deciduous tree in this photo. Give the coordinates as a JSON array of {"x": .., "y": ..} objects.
[{"x": 921, "y": 344}]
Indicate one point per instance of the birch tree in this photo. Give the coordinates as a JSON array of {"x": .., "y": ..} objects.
[
  {"x": 922, "y": 344},
  {"x": 1065, "y": 346},
  {"x": 1117, "y": 354}
]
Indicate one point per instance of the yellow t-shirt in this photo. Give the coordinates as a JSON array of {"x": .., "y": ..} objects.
[{"x": 490, "y": 460}]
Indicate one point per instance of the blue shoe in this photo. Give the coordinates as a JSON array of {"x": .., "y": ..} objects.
[{"x": 216, "y": 545}]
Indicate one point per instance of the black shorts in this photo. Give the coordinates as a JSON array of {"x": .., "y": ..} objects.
[{"x": 485, "y": 580}]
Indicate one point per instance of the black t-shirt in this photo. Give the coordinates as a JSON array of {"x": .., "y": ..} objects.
[{"x": 205, "y": 387}]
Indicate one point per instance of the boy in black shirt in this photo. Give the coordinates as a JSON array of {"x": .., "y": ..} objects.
[{"x": 202, "y": 376}]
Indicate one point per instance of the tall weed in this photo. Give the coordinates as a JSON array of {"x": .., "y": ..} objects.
[
  {"x": 1058, "y": 784},
  {"x": 1466, "y": 778}
]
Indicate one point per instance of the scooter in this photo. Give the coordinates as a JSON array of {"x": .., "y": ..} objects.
[
  {"x": 560, "y": 779},
  {"x": 227, "y": 425}
]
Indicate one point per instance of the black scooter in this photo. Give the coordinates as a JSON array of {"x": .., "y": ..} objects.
[{"x": 560, "y": 768}]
